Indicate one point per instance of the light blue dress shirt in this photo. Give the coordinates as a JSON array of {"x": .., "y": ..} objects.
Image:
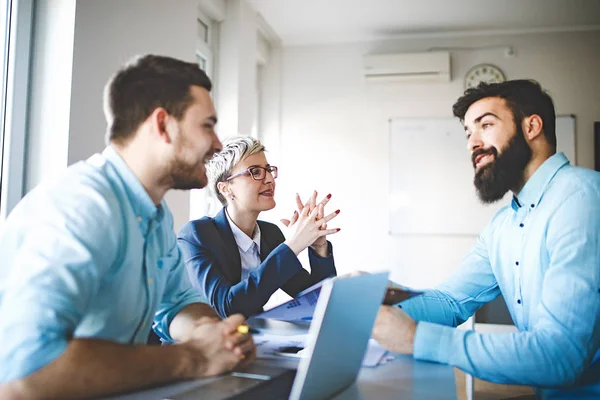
[
  {"x": 88, "y": 255},
  {"x": 542, "y": 252},
  {"x": 249, "y": 248}
]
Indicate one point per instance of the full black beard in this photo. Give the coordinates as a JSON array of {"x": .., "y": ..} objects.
[{"x": 505, "y": 172}]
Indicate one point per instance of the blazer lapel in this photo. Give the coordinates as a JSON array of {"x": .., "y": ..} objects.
[
  {"x": 266, "y": 247},
  {"x": 233, "y": 264}
]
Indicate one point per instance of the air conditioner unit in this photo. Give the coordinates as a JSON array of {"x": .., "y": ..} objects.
[{"x": 403, "y": 67}]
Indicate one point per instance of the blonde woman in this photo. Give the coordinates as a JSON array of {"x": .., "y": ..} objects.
[{"x": 237, "y": 261}]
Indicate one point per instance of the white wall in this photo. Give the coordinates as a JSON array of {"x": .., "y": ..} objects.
[
  {"x": 107, "y": 34},
  {"x": 334, "y": 134}
]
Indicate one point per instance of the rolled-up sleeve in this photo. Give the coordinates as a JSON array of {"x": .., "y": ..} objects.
[
  {"x": 55, "y": 264},
  {"x": 178, "y": 293},
  {"x": 556, "y": 351},
  {"x": 462, "y": 294}
]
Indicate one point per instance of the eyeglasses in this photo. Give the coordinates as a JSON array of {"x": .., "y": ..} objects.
[{"x": 257, "y": 173}]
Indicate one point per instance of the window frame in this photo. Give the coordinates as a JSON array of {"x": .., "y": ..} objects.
[
  {"x": 5, "y": 21},
  {"x": 16, "y": 104},
  {"x": 204, "y": 48},
  {"x": 204, "y": 201}
]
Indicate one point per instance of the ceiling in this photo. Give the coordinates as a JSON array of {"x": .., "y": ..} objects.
[{"x": 310, "y": 22}]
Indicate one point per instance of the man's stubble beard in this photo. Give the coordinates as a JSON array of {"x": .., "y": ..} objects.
[{"x": 183, "y": 175}]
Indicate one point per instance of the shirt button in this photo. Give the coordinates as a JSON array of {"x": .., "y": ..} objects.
[
  {"x": 517, "y": 263},
  {"x": 149, "y": 281},
  {"x": 521, "y": 225},
  {"x": 139, "y": 219},
  {"x": 533, "y": 205},
  {"x": 519, "y": 301}
]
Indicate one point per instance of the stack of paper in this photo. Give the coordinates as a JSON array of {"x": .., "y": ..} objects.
[{"x": 285, "y": 326}]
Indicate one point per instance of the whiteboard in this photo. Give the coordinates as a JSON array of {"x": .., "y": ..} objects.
[{"x": 431, "y": 177}]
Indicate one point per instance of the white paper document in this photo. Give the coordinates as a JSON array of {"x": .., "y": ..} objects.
[
  {"x": 374, "y": 354},
  {"x": 268, "y": 346},
  {"x": 276, "y": 346},
  {"x": 299, "y": 309},
  {"x": 302, "y": 307}
]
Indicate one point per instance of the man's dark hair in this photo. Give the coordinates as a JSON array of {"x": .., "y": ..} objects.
[
  {"x": 146, "y": 83},
  {"x": 524, "y": 97}
]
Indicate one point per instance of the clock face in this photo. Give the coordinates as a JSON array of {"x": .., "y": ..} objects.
[{"x": 483, "y": 73}]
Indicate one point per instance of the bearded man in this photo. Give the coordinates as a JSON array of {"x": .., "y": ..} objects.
[{"x": 541, "y": 252}]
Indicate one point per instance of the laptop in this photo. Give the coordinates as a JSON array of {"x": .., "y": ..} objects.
[{"x": 337, "y": 340}]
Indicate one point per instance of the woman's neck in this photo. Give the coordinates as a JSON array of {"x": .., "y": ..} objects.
[{"x": 244, "y": 220}]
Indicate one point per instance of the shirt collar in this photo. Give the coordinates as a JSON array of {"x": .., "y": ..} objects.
[
  {"x": 534, "y": 188},
  {"x": 140, "y": 201},
  {"x": 243, "y": 241}
]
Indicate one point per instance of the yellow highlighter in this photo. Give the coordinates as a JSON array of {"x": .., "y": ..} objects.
[{"x": 245, "y": 329}]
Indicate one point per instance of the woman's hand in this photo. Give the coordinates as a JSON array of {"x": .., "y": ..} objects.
[
  {"x": 307, "y": 227},
  {"x": 320, "y": 244}
]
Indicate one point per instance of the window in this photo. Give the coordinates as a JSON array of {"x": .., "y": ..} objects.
[
  {"x": 15, "y": 46},
  {"x": 5, "y": 24},
  {"x": 204, "y": 44},
  {"x": 203, "y": 29},
  {"x": 203, "y": 201},
  {"x": 263, "y": 57}
]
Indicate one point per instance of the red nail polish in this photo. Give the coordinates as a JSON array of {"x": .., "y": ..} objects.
[
  {"x": 337, "y": 211},
  {"x": 329, "y": 196},
  {"x": 339, "y": 229}
]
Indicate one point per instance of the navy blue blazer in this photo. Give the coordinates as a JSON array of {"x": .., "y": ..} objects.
[{"x": 214, "y": 266}]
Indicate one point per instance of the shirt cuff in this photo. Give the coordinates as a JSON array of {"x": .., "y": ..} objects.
[
  {"x": 162, "y": 329},
  {"x": 433, "y": 342},
  {"x": 329, "y": 251}
]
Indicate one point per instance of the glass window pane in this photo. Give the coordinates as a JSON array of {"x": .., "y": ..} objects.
[
  {"x": 202, "y": 31},
  {"x": 4, "y": 30},
  {"x": 201, "y": 62}
]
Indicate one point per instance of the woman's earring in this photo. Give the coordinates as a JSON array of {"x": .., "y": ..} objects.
[{"x": 232, "y": 197}]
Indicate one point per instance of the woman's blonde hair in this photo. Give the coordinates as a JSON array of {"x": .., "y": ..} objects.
[{"x": 235, "y": 149}]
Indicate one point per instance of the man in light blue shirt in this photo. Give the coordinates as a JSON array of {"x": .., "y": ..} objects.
[
  {"x": 541, "y": 252},
  {"x": 91, "y": 262}
]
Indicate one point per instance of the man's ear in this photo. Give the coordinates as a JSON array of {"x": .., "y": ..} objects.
[
  {"x": 161, "y": 121},
  {"x": 533, "y": 126}
]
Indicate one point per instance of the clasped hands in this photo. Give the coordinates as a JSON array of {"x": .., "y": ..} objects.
[
  {"x": 216, "y": 346},
  {"x": 308, "y": 225},
  {"x": 394, "y": 329}
]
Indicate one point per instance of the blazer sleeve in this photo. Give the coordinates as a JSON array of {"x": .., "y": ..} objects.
[
  {"x": 203, "y": 263},
  {"x": 320, "y": 268}
]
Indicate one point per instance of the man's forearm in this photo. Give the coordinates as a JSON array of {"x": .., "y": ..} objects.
[
  {"x": 542, "y": 358},
  {"x": 184, "y": 322},
  {"x": 436, "y": 307},
  {"x": 92, "y": 368}
]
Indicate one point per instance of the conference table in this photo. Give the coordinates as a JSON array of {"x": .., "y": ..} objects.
[{"x": 400, "y": 378}]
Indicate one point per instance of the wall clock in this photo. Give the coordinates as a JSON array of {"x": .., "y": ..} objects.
[{"x": 483, "y": 73}]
